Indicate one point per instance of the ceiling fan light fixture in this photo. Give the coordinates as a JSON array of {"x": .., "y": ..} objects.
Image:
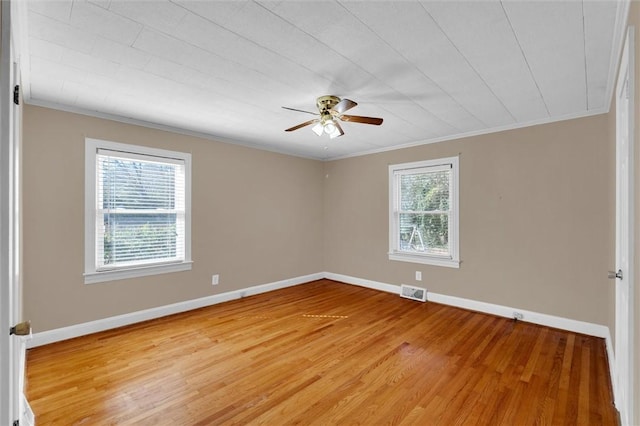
[
  {"x": 318, "y": 129},
  {"x": 330, "y": 127}
]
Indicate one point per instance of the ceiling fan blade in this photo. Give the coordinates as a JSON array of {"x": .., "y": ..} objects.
[
  {"x": 306, "y": 123},
  {"x": 344, "y": 105},
  {"x": 301, "y": 110},
  {"x": 358, "y": 119},
  {"x": 338, "y": 132}
]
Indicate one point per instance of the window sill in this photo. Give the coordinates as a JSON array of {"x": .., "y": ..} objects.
[
  {"x": 427, "y": 260},
  {"x": 141, "y": 271}
]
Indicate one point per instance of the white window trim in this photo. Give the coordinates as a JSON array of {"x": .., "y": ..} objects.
[
  {"x": 452, "y": 261},
  {"x": 90, "y": 274}
]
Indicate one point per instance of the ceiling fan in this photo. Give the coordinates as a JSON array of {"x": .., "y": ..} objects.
[{"x": 330, "y": 110}]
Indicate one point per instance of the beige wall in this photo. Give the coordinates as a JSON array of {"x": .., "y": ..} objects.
[
  {"x": 535, "y": 225},
  {"x": 257, "y": 218},
  {"x": 535, "y": 219}
]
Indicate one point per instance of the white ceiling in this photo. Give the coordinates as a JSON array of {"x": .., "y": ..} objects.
[{"x": 432, "y": 70}]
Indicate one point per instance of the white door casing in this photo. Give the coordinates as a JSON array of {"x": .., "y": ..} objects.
[
  {"x": 9, "y": 405},
  {"x": 13, "y": 405},
  {"x": 624, "y": 282},
  {"x": 26, "y": 416},
  {"x": 9, "y": 401}
]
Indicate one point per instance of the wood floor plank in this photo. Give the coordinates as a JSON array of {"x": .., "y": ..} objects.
[{"x": 323, "y": 353}]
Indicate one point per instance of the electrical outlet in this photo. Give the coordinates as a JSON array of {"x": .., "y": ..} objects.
[
  {"x": 418, "y": 276},
  {"x": 215, "y": 279}
]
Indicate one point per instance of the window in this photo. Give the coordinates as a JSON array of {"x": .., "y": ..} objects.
[
  {"x": 423, "y": 212},
  {"x": 137, "y": 211}
]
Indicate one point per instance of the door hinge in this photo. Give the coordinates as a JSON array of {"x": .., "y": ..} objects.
[
  {"x": 16, "y": 94},
  {"x": 626, "y": 90}
]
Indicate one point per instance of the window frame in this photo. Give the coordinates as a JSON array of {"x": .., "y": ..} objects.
[
  {"x": 395, "y": 170},
  {"x": 91, "y": 274}
]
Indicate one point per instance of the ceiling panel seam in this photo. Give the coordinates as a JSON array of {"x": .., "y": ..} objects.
[
  {"x": 464, "y": 58},
  {"x": 515, "y": 35},
  {"x": 584, "y": 54}
]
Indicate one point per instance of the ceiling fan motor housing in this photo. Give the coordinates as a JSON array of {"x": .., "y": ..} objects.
[{"x": 325, "y": 103}]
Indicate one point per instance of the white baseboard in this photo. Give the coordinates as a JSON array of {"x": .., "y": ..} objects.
[
  {"x": 583, "y": 327},
  {"x": 64, "y": 333},
  {"x": 562, "y": 323},
  {"x": 376, "y": 285},
  {"x": 78, "y": 330}
]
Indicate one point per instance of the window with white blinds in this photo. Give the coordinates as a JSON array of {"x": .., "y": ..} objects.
[
  {"x": 423, "y": 212},
  {"x": 139, "y": 211}
]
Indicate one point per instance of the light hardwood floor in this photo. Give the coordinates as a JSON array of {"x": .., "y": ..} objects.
[{"x": 323, "y": 353}]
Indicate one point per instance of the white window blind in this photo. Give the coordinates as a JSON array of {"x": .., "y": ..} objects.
[
  {"x": 423, "y": 212},
  {"x": 140, "y": 210}
]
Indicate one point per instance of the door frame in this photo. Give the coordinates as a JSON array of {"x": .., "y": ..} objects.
[
  {"x": 10, "y": 395},
  {"x": 625, "y": 216},
  {"x": 13, "y": 405}
]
